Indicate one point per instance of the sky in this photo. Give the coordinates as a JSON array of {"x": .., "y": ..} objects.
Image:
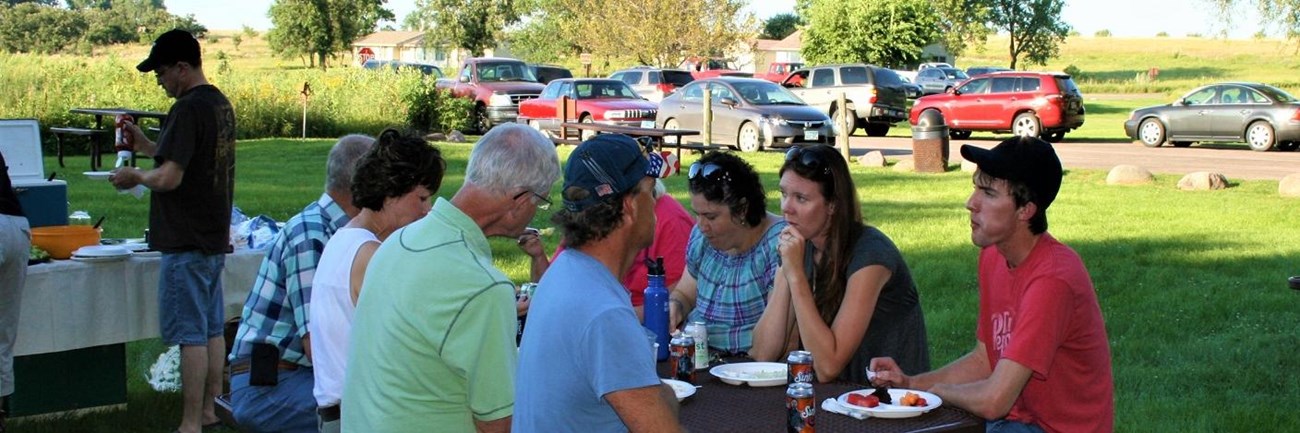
[{"x": 1124, "y": 18}]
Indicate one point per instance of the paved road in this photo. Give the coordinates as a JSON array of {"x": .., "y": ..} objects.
[{"x": 1233, "y": 162}]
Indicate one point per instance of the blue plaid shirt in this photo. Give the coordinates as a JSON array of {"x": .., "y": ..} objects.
[
  {"x": 732, "y": 290},
  {"x": 276, "y": 311}
]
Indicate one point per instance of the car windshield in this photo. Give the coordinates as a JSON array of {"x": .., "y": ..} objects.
[
  {"x": 604, "y": 90},
  {"x": 766, "y": 93},
  {"x": 1276, "y": 94},
  {"x": 505, "y": 71}
]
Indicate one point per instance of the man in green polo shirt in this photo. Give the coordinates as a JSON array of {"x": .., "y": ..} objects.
[{"x": 433, "y": 342}]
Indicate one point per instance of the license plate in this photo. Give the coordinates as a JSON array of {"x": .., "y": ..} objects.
[
  {"x": 811, "y": 135},
  {"x": 647, "y": 124}
]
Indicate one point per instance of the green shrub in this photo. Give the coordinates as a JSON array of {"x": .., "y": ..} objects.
[
  {"x": 1073, "y": 71},
  {"x": 1103, "y": 33},
  {"x": 1162, "y": 35},
  {"x": 432, "y": 110}
]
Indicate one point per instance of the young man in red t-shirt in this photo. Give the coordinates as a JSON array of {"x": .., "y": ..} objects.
[{"x": 1041, "y": 362}]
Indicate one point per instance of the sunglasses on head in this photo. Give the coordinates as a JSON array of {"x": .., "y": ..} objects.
[
  {"x": 708, "y": 171},
  {"x": 807, "y": 158}
]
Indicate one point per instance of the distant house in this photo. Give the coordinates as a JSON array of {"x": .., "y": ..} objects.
[{"x": 408, "y": 46}]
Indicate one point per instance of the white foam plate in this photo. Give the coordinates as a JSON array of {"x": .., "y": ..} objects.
[
  {"x": 894, "y": 410},
  {"x": 102, "y": 251},
  {"x": 755, "y": 374},
  {"x": 101, "y": 258},
  {"x": 98, "y": 175},
  {"x": 682, "y": 389}
]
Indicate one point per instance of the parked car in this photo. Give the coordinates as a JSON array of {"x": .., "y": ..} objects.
[
  {"x": 547, "y": 73},
  {"x": 939, "y": 79},
  {"x": 496, "y": 85},
  {"x": 709, "y": 67},
  {"x": 653, "y": 83},
  {"x": 1035, "y": 104},
  {"x": 912, "y": 90},
  {"x": 1263, "y": 116},
  {"x": 777, "y": 71},
  {"x": 749, "y": 112},
  {"x": 394, "y": 65},
  {"x": 875, "y": 97},
  {"x": 981, "y": 70},
  {"x": 597, "y": 100},
  {"x": 928, "y": 65}
]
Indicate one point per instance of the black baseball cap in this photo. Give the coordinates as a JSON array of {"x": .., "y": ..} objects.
[
  {"x": 174, "y": 46},
  {"x": 606, "y": 166},
  {"x": 1028, "y": 160}
]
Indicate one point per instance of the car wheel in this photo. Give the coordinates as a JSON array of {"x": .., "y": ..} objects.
[
  {"x": 1026, "y": 125},
  {"x": 748, "y": 139},
  {"x": 1288, "y": 146},
  {"x": 1259, "y": 136},
  {"x": 1151, "y": 133},
  {"x": 587, "y": 133},
  {"x": 1054, "y": 137},
  {"x": 1181, "y": 143},
  {"x": 957, "y": 134},
  {"x": 538, "y": 126},
  {"x": 877, "y": 129},
  {"x": 676, "y": 139},
  {"x": 481, "y": 122},
  {"x": 852, "y": 119}
]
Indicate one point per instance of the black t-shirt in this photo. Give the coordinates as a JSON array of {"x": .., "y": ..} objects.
[
  {"x": 199, "y": 134},
  {"x": 8, "y": 198}
]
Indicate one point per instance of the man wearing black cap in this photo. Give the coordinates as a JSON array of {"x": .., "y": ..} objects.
[
  {"x": 1041, "y": 362},
  {"x": 581, "y": 319},
  {"x": 192, "y": 184}
]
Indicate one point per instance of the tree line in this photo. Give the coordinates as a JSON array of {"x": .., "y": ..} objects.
[{"x": 44, "y": 26}]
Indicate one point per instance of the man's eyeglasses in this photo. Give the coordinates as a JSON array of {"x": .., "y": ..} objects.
[
  {"x": 543, "y": 203},
  {"x": 708, "y": 171},
  {"x": 808, "y": 159}
]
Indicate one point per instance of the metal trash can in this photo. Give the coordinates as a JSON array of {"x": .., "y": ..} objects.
[{"x": 930, "y": 143}]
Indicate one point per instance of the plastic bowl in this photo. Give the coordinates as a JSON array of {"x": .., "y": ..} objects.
[{"x": 61, "y": 241}]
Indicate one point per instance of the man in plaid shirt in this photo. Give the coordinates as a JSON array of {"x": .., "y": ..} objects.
[{"x": 275, "y": 314}]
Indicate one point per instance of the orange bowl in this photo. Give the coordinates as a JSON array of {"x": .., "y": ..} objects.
[{"x": 61, "y": 241}]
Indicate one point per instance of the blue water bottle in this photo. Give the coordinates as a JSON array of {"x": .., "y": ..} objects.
[{"x": 656, "y": 306}]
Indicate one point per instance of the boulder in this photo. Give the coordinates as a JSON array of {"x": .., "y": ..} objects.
[
  {"x": 1290, "y": 186},
  {"x": 456, "y": 137},
  {"x": 437, "y": 136},
  {"x": 968, "y": 166},
  {"x": 1129, "y": 175},
  {"x": 873, "y": 159},
  {"x": 1203, "y": 181},
  {"x": 905, "y": 164}
]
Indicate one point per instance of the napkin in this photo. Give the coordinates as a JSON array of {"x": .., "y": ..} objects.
[{"x": 834, "y": 406}]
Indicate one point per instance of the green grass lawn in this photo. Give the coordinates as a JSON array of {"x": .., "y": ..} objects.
[{"x": 1201, "y": 324}]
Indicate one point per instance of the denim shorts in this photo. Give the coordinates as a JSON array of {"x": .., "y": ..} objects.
[{"x": 191, "y": 305}]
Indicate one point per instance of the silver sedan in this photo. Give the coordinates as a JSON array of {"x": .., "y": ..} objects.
[{"x": 750, "y": 114}]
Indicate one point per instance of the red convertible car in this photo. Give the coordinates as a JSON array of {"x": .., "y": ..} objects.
[{"x": 598, "y": 100}]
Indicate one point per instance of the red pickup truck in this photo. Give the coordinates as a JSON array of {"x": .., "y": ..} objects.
[
  {"x": 497, "y": 85},
  {"x": 777, "y": 71}
]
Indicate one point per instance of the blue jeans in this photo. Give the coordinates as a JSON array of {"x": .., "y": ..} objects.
[
  {"x": 1008, "y": 426},
  {"x": 288, "y": 406},
  {"x": 191, "y": 306}
]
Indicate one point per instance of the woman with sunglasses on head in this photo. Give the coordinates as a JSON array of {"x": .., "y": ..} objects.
[
  {"x": 731, "y": 257},
  {"x": 843, "y": 292}
]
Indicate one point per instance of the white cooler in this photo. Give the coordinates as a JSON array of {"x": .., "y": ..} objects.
[{"x": 45, "y": 202}]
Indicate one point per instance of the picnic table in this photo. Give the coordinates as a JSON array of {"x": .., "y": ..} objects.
[
  {"x": 659, "y": 135},
  {"x": 102, "y": 133},
  {"x": 720, "y": 407}
]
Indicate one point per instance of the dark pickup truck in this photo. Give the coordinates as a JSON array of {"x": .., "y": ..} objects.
[{"x": 496, "y": 85}]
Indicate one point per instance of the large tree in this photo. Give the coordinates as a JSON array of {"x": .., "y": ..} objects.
[
  {"x": 963, "y": 23},
  {"x": 474, "y": 25},
  {"x": 780, "y": 25},
  {"x": 321, "y": 28},
  {"x": 889, "y": 33},
  {"x": 1281, "y": 14},
  {"x": 1034, "y": 28},
  {"x": 654, "y": 32}
]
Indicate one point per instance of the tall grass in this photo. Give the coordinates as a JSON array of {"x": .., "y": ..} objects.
[{"x": 1201, "y": 324}]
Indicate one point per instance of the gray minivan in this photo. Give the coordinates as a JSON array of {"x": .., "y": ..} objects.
[{"x": 876, "y": 96}]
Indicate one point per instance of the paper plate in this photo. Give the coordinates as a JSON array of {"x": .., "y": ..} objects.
[
  {"x": 682, "y": 389},
  {"x": 752, "y": 373},
  {"x": 102, "y": 251},
  {"x": 98, "y": 175},
  {"x": 894, "y": 410}
]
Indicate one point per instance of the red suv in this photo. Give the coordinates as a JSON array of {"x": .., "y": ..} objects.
[{"x": 1036, "y": 104}]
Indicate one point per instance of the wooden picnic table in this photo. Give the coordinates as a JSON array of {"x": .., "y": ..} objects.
[
  {"x": 659, "y": 135},
  {"x": 101, "y": 133}
]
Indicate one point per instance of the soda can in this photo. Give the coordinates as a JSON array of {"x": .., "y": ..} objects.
[
  {"x": 682, "y": 353},
  {"x": 526, "y": 291},
  {"x": 699, "y": 332},
  {"x": 800, "y": 408},
  {"x": 799, "y": 367}
]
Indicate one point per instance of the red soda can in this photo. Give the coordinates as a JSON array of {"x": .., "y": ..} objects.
[
  {"x": 799, "y": 368},
  {"x": 682, "y": 353},
  {"x": 123, "y": 138},
  {"x": 800, "y": 408}
]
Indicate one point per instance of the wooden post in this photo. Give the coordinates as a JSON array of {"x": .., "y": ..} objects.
[
  {"x": 841, "y": 116},
  {"x": 563, "y": 114},
  {"x": 707, "y": 131}
]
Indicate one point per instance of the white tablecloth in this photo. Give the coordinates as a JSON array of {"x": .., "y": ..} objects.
[{"x": 71, "y": 305}]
